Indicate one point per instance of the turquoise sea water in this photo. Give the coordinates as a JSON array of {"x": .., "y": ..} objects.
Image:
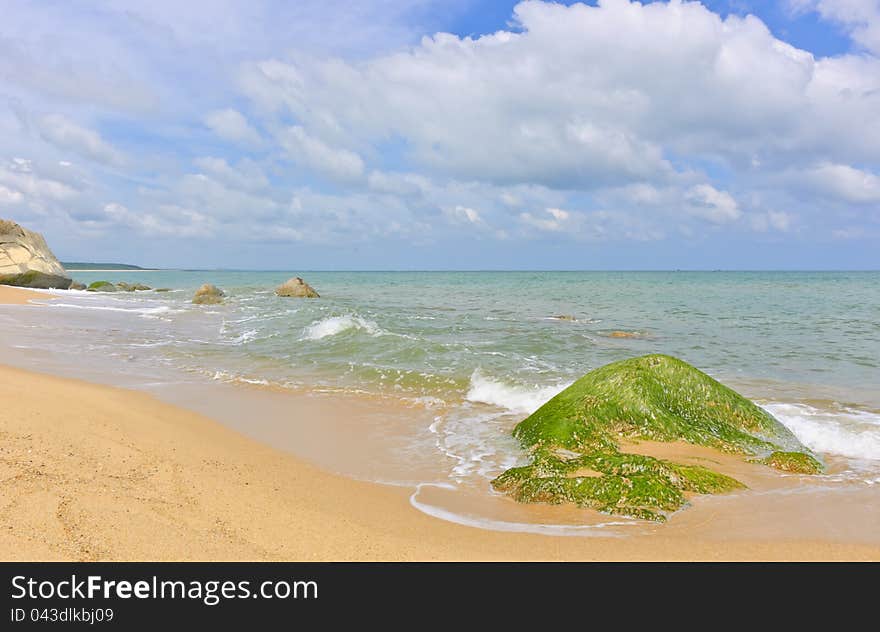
[{"x": 486, "y": 348}]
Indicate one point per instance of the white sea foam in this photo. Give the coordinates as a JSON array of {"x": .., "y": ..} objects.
[
  {"x": 144, "y": 311},
  {"x": 601, "y": 529},
  {"x": 520, "y": 399},
  {"x": 245, "y": 337},
  {"x": 332, "y": 325},
  {"x": 845, "y": 432}
]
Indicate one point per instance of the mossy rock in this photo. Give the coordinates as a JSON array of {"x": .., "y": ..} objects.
[
  {"x": 162, "y": 289},
  {"x": 35, "y": 279},
  {"x": 796, "y": 462},
  {"x": 101, "y": 286},
  {"x": 132, "y": 287},
  {"x": 650, "y": 398}
]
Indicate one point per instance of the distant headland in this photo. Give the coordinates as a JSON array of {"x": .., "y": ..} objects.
[{"x": 80, "y": 266}]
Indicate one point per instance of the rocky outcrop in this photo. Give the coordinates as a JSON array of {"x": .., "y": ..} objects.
[
  {"x": 26, "y": 261},
  {"x": 76, "y": 285},
  {"x": 577, "y": 440},
  {"x": 296, "y": 287},
  {"x": 208, "y": 295}
]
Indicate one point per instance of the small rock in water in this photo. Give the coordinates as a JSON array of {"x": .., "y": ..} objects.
[
  {"x": 101, "y": 286},
  {"x": 567, "y": 317},
  {"x": 296, "y": 287},
  {"x": 76, "y": 285},
  {"x": 132, "y": 287},
  {"x": 208, "y": 295},
  {"x": 625, "y": 334}
]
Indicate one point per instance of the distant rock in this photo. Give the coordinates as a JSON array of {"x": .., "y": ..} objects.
[
  {"x": 102, "y": 286},
  {"x": 625, "y": 334},
  {"x": 162, "y": 289},
  {"x": 208, "y": 295},
  {"x": 132, "y": 287},
  {"x": 567, "y": 317},
  {"x": 296, "y": 287},
  {"x": 77, "y": 286},
  {"x": 26, "y": 261}
]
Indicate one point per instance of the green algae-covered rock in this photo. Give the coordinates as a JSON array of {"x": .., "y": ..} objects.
[
  {"x": 132, "y": 287},
  {"x": 101, "y": 286},
  {"x": 797, "y": 462},
  {"x": 575, "y": 439}
]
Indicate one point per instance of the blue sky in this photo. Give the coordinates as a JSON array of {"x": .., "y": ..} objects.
[{"x": 461, "y": 134}]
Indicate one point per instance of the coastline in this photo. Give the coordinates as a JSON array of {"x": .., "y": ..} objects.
[{"x": 94, "y": 472}]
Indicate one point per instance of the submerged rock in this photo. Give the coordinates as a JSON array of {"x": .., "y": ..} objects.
[
  {"x": 132, "y": 287},
  {"x": 101, "y": 286},
  {"x": 296, "y": 287},
  {"x": 26, "y": 261},
  {"x": 651, "y": 398},
  {"x": 567, "y": 317},
  {"x": 625, "y": 334},
  {"x": 162, "y": 289},
  {"x": 208, "y": 295}
]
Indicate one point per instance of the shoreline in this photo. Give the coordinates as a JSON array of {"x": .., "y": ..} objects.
[
  {"x": 101, "y": 472},
  {"x": 10, "y": 295}
]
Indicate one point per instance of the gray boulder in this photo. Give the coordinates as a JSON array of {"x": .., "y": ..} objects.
[{"x": 26, "y": 261}]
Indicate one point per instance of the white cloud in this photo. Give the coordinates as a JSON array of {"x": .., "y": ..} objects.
[
  {"x": 555, "y": 222},
  {"x": 246, "y": 175},
  {"x": 10, "y": 196},
  {"x": 570, "y": 103},
  {"x": 861, "y": 18},
  {"x": 166, "y": 220},
  {"x": 772, "y": 220},
  {"x": 845, "y": 183},
  {"x": 707, "y": 202},
  {"x": 68, "y": 135},
  {"x": 19, "y": 174},
  {"x": 307, "y": 150},
  {"x": 231, "y": 125},
  {"x": 464, "y": 214}
]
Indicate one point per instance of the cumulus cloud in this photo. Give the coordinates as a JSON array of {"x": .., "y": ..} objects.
[
  {"x": 707, "y": 202},
  {"x": 566, "y": 101},
  {"x": 68, "y": 135},
  {"x": 231, "y": 125},
  {"x": 553, "y": 219},
  {"x": 619, "y": 121},
  {"x": 861, "y": 18},
  {"x": 307, "y": 150},
  {"x": 845, "y": 183},
  {"x": 165, "y": 221},
  {"x": 245, "y": 175}
]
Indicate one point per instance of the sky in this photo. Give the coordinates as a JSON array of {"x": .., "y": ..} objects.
[{"x": 445, "y": 134}]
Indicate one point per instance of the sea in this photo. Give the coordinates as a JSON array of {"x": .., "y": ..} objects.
[{"x": 470, "y": 354}]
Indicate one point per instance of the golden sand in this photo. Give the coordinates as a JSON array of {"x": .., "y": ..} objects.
[{"x": 19, "y": 296}]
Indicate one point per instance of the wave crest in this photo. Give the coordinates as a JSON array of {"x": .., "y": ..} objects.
[
  {"x": 519, "y": 399},
  {"x": 332, "y": 325}
]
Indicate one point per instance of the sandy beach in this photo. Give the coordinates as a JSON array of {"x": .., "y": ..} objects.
[
  {"x": 18, "y": 296},
  {"x": 92, "y": 472}
]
